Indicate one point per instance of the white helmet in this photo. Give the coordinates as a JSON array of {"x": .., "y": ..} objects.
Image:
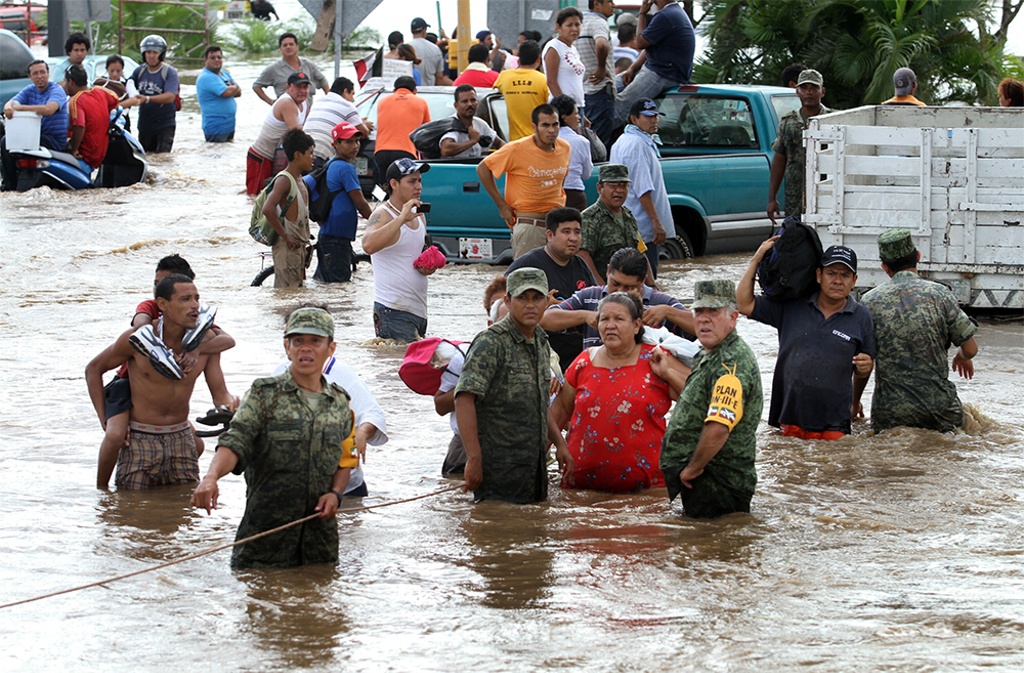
[{"x": 154, "y": 43}]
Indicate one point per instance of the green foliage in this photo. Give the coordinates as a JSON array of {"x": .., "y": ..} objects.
[
  {"x": 857, "y": 45},
  {"x": 151, "y": 19},
  {"x": 252, "y": 36}
]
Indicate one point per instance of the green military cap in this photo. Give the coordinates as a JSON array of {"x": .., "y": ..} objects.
[
  {"x": 527, "y": 278},
  {"x": 810, "y": 76},
  {"x": 714, "y": 294},
  {"x": 613, "y": 173},
  {"x": 895, "y": 244},
  {"x": 314, "y": 321}
]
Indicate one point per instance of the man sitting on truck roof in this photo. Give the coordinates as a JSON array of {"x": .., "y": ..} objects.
[
  {"x": 823, "y": 339},
  {"x": 788, "y": 161}
]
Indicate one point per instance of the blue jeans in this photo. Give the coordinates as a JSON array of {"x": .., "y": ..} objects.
[
  {"x": 645, "y": 84},
  {"x": 390, "y": 323},
  {"x": 219, "y": 137},
  {"x": 652, "y": 256},
  {"x": 333, "y": 260},
  {"x": 601, "y": 112}
]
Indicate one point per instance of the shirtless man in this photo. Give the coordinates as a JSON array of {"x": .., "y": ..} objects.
[{"x": 161, "y": 447}]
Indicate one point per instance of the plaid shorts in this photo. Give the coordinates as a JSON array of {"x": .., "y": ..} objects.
[{"x": 156, "y": 456}]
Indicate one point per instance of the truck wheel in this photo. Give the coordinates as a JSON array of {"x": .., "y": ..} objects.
[
  {"x": 264, "y": 274},
  {"x": 677, "y": 248}
]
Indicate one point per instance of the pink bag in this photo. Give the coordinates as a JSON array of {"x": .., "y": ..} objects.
[
  {"x": 423, "y": 365},
  {"x": 431, "y": 259}
]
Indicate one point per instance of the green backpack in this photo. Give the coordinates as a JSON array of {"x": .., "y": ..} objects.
[{"x": 259, "y": 226}]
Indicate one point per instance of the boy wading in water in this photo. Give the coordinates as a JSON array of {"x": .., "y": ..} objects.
[{"x": 287, "y": 210}]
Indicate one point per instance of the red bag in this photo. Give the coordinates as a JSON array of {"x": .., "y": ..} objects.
[
  {"x": 431, "y": 259},
  {"x": 422, "y": 365}
]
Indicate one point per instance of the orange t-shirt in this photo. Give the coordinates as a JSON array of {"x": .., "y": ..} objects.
[
  {"x": 398, "y": 115},
  {"x": 523, "y": 89},
  {"x": 534, "y": 177}
]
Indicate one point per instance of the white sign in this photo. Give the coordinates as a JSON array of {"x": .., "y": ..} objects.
[{"x": 391, "y": 69}]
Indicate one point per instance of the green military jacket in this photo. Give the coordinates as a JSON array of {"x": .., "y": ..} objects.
[
  {"x": 790, "y": 143},
  {"x": 510, "y": 377},
  {"x": 603, "y": 235},
  {"x": 288, "y": 453},
  {"x": 916, "y": 320},
  {"x": 724, "y": 384}
]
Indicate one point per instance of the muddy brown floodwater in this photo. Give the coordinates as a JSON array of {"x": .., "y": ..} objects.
[{"x": 902, "y": 551}]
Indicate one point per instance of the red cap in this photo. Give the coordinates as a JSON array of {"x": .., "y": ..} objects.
[{"x": 344, "y": 130}]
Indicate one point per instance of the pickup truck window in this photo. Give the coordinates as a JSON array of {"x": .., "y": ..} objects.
[
  {"x": 784, "y": 104},
  {"x": 707, "y": 121}
]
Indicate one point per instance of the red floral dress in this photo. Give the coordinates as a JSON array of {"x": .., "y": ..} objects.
[{"x": 617, "y": 424}]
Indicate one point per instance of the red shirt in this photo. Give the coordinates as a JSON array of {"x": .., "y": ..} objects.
[
  {"x": 482, "y": 79},
  {"x": 91, "y": 110}
]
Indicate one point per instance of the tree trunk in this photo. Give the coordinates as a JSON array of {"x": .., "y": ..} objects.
[{"x": 324, "y": 27}]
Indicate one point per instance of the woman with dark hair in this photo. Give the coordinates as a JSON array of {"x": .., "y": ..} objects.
[
  {"x": 580, "y": 162},
  {"x": 1011, "y": 93},
  {"x": 615, "y": 398},
  {"x": 562, "y": 63},
  {"x": 406, "y": 52}
]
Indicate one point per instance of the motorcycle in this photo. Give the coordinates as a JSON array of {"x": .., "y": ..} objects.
[{"x": 125, "y": 164}]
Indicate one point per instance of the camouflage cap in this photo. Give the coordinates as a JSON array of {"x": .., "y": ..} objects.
[
  {"x": 810, "y": 76},
  {"x": 527, "y": 278},
  {"x": 895, "y": 244},
  {"x": 314, "y": 321},
  {"x": 613, "y": 173},
  {"x": 714, "y": 294}
]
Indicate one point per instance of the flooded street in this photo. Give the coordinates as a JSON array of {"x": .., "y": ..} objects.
[{"x": 902, "y": 551}]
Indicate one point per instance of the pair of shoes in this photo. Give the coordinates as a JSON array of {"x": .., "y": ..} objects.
[
  {"x": 204, "y": 322},
  {"x": 146, "y": 342}
]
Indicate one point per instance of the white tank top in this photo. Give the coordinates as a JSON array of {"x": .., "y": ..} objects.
[
  {"x": 273, "y": 130},
  {"x": 396, "y": 283}
]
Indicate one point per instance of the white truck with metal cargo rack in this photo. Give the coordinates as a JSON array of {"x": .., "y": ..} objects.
[{"x": 954, "y": 176}]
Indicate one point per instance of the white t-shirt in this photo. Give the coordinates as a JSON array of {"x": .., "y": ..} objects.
[
  {"x": 396, "y": 282},
  {"x": 458, "y": 136},
  {"x": 570, "y": 70},
  {"x": 326, "y": 113},
  {"x": 361, "y": 402},
  {"x": 450, "y": 379}
]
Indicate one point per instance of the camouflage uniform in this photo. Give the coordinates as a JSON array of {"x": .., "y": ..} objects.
[
  {"x": 915, "y": 322},
  {"x": 510, "y": 377},
  {"x": 603, "y": 235},
  {"x": 790, "y": 144},
  {"x": 289, "y": 453},
  {"x": 727, "y": 483}
]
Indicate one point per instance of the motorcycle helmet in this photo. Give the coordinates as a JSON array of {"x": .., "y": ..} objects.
[{"x": 153, "y": 43}]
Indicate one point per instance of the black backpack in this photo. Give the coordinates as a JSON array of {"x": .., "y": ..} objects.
[
  {"x": 320, "y": 208},
  {"x": 427, "y": 137},
  {"x": 788, "y": 270}
]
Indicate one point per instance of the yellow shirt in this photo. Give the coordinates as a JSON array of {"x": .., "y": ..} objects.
[
  {"x": 523, "y": 90},
  {"x": 534, "y": 177}
]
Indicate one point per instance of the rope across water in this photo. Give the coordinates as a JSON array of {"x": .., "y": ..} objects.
[{"x": 218, "y": 548}]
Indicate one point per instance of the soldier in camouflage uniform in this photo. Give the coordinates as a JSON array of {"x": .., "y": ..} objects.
[
  {"x": 789, "y": 149},
  {"x": 915, "y": 322},
  {"x": 608, "y": 225},
  {"x": 501, "y": 401},
  {"x": 709, "y": 448},
  {"x": 291, "y": 437}
]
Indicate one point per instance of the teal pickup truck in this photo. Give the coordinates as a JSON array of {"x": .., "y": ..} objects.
[{"x": 716, "y": 154}]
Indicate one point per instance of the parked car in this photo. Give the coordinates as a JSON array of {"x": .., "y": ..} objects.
[
  {"x": 22, "y": 20},
  {"x": 14, "y": 59},
  {"x": 716, "y": 157},
  {"x": 440, "y": 99},
  {"x": 95, "y": 66}
]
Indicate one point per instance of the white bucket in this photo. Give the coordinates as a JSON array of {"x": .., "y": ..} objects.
[{"x": 23, "y": 131}]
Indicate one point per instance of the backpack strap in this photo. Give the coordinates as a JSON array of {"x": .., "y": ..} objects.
[{"x": 292, "y": 193}]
